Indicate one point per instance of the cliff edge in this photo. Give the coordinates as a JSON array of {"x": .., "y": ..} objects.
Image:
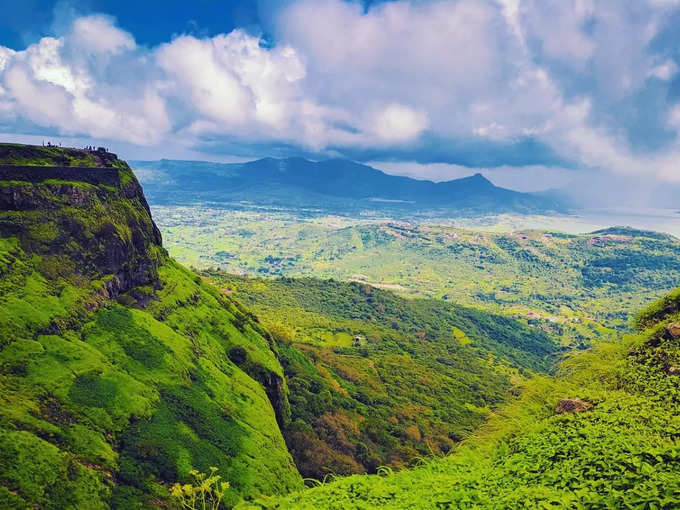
[{"x": 120, "y": 370}]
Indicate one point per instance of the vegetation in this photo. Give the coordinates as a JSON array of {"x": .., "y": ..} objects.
[
  {"x": 578, "y": 287},
  {"x": 380, "y": 380},
  {"x": 205, "y": 493},
  {"x": 117, "y": 369},
  {"x": 32, "y": 155},
  {"x": 620, "y": 451},
  {"x": 128, "y": 381}
]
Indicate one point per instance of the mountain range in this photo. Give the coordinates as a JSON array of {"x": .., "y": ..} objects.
[{"x": 335, "y": 184}]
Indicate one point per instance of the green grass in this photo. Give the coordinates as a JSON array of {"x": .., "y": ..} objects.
[
  {"x": 140, "y": 395},
  {"x": 31, "y": 155}
]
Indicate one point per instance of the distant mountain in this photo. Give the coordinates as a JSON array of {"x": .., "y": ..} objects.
[{"x": 332, "y": 184}]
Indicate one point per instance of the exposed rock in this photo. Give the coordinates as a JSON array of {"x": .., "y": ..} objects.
[
  {"x": 674, "y": 329},
  {"x": 573, "y": 405},
  {"x": 93, "y": 222},
  {"x": 673, "y": 370}
]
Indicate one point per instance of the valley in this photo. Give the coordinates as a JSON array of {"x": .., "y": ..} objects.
[
  {"x": 379, "y": 380},
  {"x": 340, "y": 255},
  {"x": 601, "y": 434},
  {"x": 323, "y": 361}
]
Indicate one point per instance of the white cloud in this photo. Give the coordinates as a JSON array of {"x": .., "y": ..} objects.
[
  {"x": 96, "y": 35},
  {"x": 565, "y": 72},
  {"x": 397, "y": 123},
  {"x": 442, "y": 58},
  {"x": 664, "y": 71},
  {"x": 67, "y": 83}
]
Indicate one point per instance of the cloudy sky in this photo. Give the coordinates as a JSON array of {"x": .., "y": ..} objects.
[{"x": 534, "y": 93}]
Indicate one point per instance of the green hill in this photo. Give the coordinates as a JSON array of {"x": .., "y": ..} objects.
[
  {"x": 603, "y": 434},
  {"x": 120, "y": 371}
]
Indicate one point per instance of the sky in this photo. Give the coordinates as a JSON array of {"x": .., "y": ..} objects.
[{"x": 535, "y": 94}]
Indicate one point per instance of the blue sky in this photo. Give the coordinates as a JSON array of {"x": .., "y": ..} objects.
[{"x": 535, "y": 93}]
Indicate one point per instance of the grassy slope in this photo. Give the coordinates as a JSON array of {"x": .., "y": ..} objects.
[
  {"x": 377, "y": 379},
  {"x": 624, "y": 453},
  {"x": 105, "y": 402}
]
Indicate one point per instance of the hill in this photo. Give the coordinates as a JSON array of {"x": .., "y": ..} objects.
[
  {"x": 335, "y": 184},
  {"x": 603, "y": 434},
  {"x": 380, "y": 380},
  {"x": 120, "y": 371}
]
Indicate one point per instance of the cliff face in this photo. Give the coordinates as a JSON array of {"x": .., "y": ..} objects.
[
  {"x": 116, "y": 369},
  {"x": 90, "y": 222}
]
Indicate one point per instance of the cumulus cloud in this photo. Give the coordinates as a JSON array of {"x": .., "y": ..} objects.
[
  {"x": 589, "y": 81},
  {"x": 396, "y": 123},
  {"x": 76, "y": 84},
  {"x": 230, "y": 80}
]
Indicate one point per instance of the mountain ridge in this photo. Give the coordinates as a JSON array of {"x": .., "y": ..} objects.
[{"x": 345, "y": 184}]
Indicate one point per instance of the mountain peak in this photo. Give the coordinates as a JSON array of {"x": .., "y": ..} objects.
[{"x": 479, "y": 178}]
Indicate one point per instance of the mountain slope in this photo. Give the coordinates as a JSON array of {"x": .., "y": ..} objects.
[
  {"x": 379, "y": 380},
  {"x": 333, "y": 184},
  {"x": 120, "y": 371},
  {"x": 603, "y": 434}
]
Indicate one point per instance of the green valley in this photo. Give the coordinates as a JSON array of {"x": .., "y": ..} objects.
[
  {"x": 602, "y": 434},
  {"x": 381, "y": 363},
  {"x": 379, "y": 380}
]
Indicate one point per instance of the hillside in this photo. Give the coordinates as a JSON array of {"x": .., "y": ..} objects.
[
  {"x": 120, "y": 371},
  {"x": 603, "y": 434},
  {"x": 332, "y": 185},
  {"x": 379, "y": 380}
]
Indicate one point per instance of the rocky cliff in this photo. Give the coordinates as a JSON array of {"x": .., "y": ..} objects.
[{"x": 120, "y": 370}]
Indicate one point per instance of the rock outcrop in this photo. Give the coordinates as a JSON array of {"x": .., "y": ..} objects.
[
  {"x": 573, "y": 405},
  {"x": 88, "y": 221}
]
